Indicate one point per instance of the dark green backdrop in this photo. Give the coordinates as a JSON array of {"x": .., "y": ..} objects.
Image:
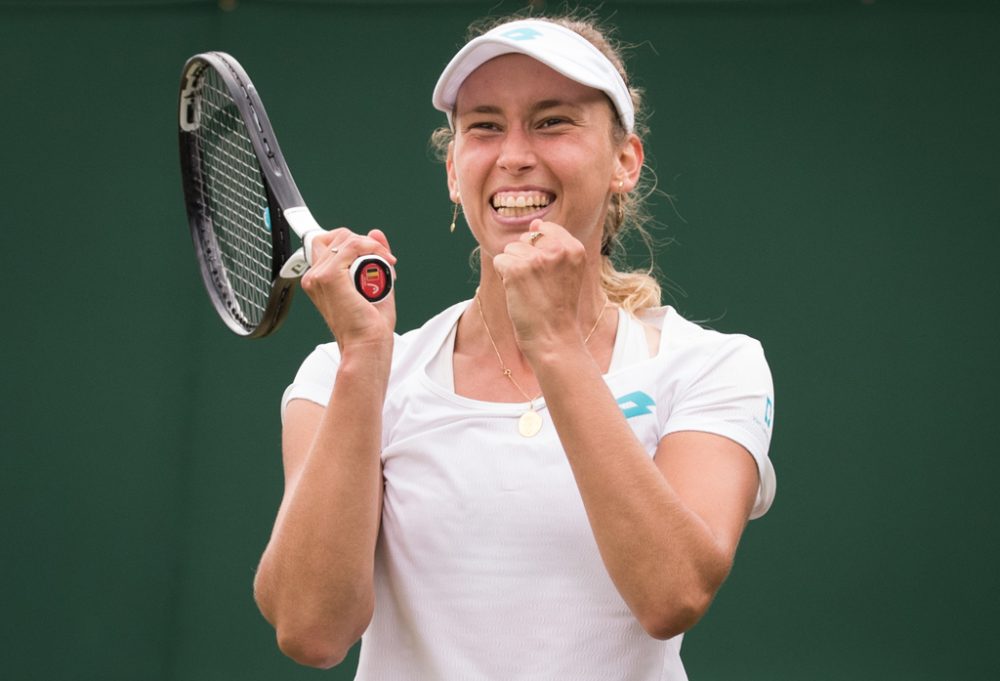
[{"x": 833, "y": 168}]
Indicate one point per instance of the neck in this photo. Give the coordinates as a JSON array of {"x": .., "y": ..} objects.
[
  {"x": 491, "y": 293},
  {"x": 509, "y": 372},
  {"x": 488, "y": 322}
]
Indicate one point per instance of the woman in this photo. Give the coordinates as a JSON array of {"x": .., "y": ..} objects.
[{"x": 548, "y": 481}]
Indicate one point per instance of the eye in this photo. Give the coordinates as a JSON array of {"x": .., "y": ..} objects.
[
  {"x": 552, "y": 121},
  {"x": 482, "y": 126}
]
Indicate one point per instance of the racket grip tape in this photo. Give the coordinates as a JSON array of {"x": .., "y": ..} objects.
[{"x": 372, "y": 277}]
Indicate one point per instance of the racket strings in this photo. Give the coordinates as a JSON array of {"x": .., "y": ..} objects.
[{"x": 234, "y": 204}]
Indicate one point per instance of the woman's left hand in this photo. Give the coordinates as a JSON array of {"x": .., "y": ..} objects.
[{"x": 542, "y": 275}]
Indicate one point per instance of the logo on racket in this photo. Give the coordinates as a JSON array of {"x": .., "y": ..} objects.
[{"x": 372, "y": 277}]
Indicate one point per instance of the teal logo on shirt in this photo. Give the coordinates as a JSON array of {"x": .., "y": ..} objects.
[{"x": 636, "y": 404}]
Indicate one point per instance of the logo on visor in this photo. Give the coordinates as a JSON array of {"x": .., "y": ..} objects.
[{"x": 523, "y": 34}]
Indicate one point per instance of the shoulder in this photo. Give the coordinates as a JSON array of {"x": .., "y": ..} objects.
[
  {"x": 695, "y": 367},
  {"x": 685, "y": 343},
  {"x": 316, "y": 375},
  {"x": 682, "y": 332},
  {"x": 407, "y": 346},
  {"x": 703, "y": 375}
]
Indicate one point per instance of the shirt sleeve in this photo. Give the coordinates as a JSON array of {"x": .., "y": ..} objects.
[
  {"x": 315, "y": 377},
  {"x": 732, "y": 394}
]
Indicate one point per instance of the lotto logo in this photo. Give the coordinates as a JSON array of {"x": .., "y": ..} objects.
[
  {"x": 523, "y": 34},
  {"x": 636, "y": 404}
]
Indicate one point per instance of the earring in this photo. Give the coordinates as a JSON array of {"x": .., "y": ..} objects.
[
  {"x": 454, "y": 215},
  {"x": 620, "y": 205}
]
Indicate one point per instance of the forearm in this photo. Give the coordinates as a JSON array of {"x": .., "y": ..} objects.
[
  {"x": 663, "y": 558},
  {"x": 314, "y": 583}
]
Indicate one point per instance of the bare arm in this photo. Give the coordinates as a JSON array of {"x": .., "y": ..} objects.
[
  {"x": 315, "y": 579},
  {"x": 667, "y": 528}
]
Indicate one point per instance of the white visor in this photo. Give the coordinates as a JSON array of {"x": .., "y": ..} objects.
[{"x": 557, "y": 47}]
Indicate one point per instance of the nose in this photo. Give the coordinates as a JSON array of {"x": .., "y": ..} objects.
[{"x": 516, "y": 153}]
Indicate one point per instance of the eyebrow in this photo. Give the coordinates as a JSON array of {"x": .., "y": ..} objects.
[{"x": 536, "y": 108}]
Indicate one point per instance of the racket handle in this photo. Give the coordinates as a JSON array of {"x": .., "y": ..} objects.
[
  {"x": 372, "y": 277},
  {"x": 301, "y": 260}
]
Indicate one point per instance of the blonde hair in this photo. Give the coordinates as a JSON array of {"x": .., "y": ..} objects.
[{"x": 637, "y": 289}]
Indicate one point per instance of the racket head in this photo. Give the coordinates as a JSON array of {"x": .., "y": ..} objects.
[{"x": 236, "y": 188}]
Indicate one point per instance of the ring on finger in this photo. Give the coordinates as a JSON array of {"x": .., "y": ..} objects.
[
  {"x": 534, "y": 236},
  {"x": 335, "y": 250}
]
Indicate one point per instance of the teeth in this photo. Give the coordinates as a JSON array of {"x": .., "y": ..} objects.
[{"x": 520, "y": 201}]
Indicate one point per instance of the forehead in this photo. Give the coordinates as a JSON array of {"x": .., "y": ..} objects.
[{"x": 517, "y": 79}]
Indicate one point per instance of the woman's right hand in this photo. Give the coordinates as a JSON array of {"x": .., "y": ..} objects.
[
  {"x": 350, "y": 317},
  {"x": 315, "y": 581}
]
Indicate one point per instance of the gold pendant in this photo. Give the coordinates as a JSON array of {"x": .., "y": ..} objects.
[{"x": 529, "y": 424}]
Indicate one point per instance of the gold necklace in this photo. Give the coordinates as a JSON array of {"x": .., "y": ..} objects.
[{"x": 530, "y": 421}]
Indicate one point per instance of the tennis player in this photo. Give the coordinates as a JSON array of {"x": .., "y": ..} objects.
[{"x": 547, "y": 481}]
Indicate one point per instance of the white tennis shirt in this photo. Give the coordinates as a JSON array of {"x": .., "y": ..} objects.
[{"x": 486, "y": 567}]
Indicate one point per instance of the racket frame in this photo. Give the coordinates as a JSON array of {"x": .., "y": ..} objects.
[{"x": 286, "y": 206}]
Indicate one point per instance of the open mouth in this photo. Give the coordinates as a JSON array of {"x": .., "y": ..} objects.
[{"x": 519, "y": 204}]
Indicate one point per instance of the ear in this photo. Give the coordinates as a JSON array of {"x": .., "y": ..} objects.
[
  {"x": 628, "y": 165},
  {"x": 449, "y": 165}
]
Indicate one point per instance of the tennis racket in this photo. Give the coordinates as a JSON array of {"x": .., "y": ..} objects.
[{"x": 242, "y": 203}]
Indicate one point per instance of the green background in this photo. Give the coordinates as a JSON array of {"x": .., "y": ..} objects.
[{"x": 830, "y": 185}]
